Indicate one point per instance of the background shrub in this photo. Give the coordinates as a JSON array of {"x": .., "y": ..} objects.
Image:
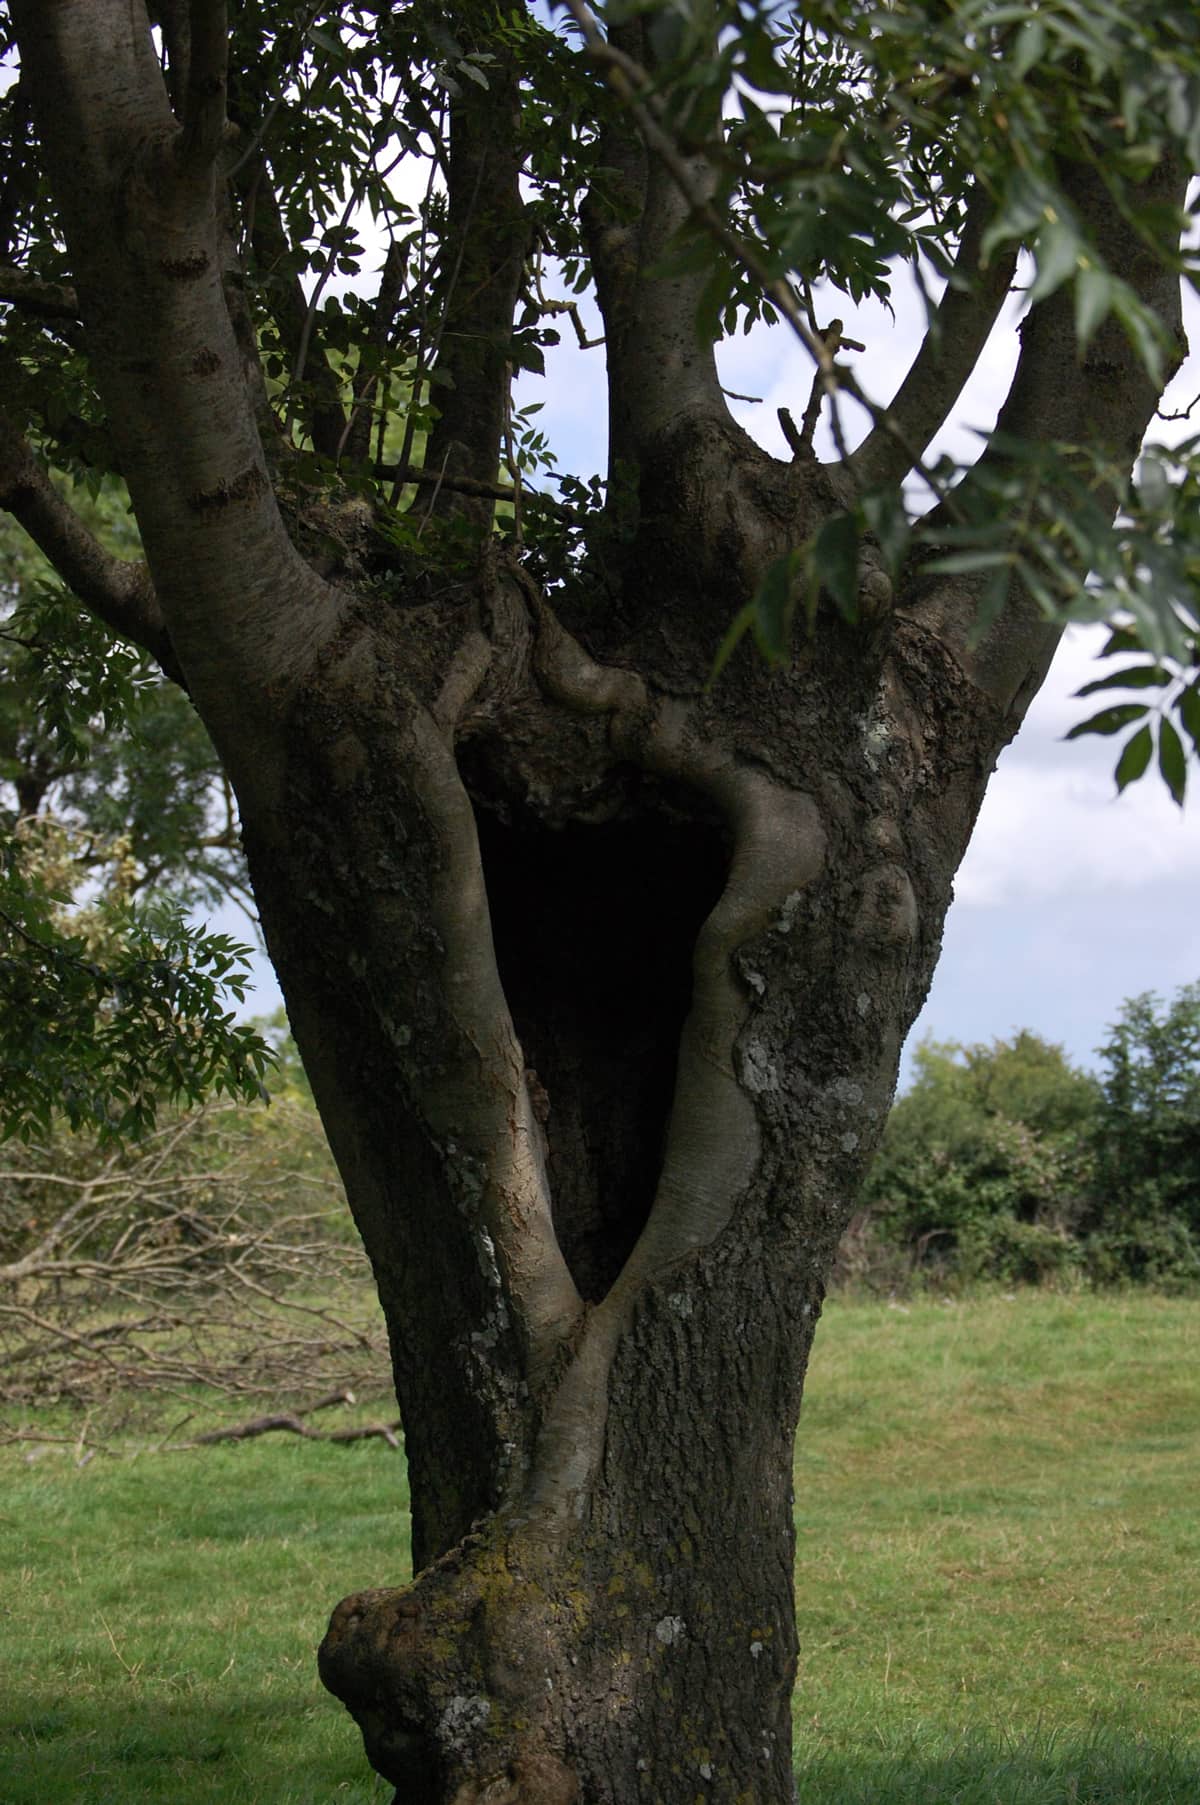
[{"x": 1008, "y": 1163}]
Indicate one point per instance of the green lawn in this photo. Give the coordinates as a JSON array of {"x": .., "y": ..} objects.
[
  {"x": 998, "y": 1553},
  {"x": 998, "y": 1579}
]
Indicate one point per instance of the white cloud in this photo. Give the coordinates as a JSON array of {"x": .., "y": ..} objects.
[{"x": 1052, "y": 822}]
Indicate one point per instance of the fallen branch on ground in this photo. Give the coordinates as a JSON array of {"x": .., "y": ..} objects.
[{"x": 292, "y": 1423}]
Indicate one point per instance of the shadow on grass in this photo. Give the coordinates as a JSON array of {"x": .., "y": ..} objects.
[
  {"x": 1047, "y": 1768},
  {"x": 155, "y": 1748},
  {"x": 285, "y": 1752}
]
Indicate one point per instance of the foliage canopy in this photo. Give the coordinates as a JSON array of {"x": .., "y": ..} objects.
[{"x": 1007, "y": 1162}]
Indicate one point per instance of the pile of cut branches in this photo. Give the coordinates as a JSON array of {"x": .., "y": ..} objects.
[{"x": 216, "y": 1254}]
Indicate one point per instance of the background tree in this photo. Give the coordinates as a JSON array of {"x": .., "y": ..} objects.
[
  {"x": 1145, "y": 1215},
  {"x": 1006, "y": 1162},
  {"x": 985, "y": 1166},
  {"x": 600, "y": 969},
  {"x": 115, "y": 821}
]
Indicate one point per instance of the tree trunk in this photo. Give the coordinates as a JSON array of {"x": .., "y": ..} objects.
[{"x": 679, "y": 936}]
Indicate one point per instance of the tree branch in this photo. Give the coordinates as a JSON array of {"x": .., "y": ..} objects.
[
  {"x": 46, "y": 300},
  {"x": 284, "y": 296},
  {"x": 19, "y": 185},
  {"x": 948, "y": 353},
  {"x": 424, "y": 476},
  {"x": 357, "y": 436},
  {"x": 173, "y": 19},
  {"x": 483, "y": 255},
  {"x": 631, "y": 82},
  {"x": 117, "y": 590},
  {"x": 647, "y": 191},
  {"x": 204, "y": 97},
  {"x": 1104, "y": 398},
  {"x": 293, "y": 1423},
  {"x": 246, "y": 614}
]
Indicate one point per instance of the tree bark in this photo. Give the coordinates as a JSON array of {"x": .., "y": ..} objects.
[{"x": 600, "y": 974}]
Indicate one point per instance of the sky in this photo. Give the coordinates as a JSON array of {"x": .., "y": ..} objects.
[{"x": 1070, "y": 899}]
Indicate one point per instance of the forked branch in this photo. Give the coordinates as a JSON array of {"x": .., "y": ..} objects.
[{"x": 632, "y": 83}]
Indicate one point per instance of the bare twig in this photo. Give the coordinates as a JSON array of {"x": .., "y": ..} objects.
[{"x": 1182, "y": 413}]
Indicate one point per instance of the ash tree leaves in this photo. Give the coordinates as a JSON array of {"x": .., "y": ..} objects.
[
  {"x": 1153, "y": 728},
  {"x": 78, "y": 680},
  {"x": 1152, "y": 579},
  {"x": 827, "y": 566},
  {"x": 102, "y": 1036}
]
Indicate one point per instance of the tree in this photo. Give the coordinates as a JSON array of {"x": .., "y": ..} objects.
[
  {"x": 600, "y": 967},
  {"x": 114, "y": 821},
  {"x": 1145, "y": 1216},
  {"x": 984, "y": 1169}
]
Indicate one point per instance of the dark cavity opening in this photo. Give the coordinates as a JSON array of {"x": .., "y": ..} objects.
[{"x": 594, "y": 928}]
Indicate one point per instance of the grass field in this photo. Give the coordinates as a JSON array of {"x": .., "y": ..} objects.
[{"x": 998, "y": 1580}]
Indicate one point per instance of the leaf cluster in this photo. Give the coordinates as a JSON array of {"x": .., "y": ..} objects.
[
  {"x": 111, "y": 1002},
  {"x": 102, "y": 1022},
  {"x": 1007, "y": 1162}
]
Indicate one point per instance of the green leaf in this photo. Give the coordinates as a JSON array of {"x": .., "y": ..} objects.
[
  {"x": 1189, "y": 712},
  {"x": 1121, "y": 639},
  {"x": 1093, "y": 302},
  {"x": 741, "y": 624},
  {"x": 833, "y": 563},
  {"x": 1171, "y": 761},
  {"x": 964, "y": 563},
  {"x": 886, "y": 517},
  {"x": 1153, "y": 484},
  {"x": 1022, "y": 208},
  {"x": 1143, "y": 329},
  {"x": 1058, "y": 250},
  {"x": 1029, "y": 48},
  {"x": 1136, "y": 676},
  {"x": 1110, "y": 720},
  {"x": 1134, "y": 758},
  {"x": 773, "y": 609}
]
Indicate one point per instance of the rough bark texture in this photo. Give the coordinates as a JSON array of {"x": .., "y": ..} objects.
[{"x": 600, "y": 976}]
